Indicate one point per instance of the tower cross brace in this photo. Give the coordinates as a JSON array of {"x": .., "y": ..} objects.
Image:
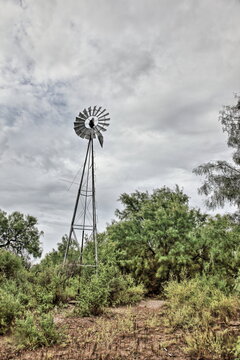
[{"x": 85, "y": 223}]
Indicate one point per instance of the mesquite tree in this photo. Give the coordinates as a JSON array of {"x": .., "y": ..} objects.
[
  {"x": 19, "y": 234},
  {"x": 222, "y": 179}
]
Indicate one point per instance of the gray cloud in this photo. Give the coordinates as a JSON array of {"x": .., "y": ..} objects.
[{"x": 162, "y": 69}]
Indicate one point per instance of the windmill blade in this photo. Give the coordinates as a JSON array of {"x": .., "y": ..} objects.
[
  {"x": 101, "y": 112},
  {"x": 103, "y": 123},
  {"x": 82, "y": 123},
  {"x": 103, "y": 116},
  {"x": 79, "y": 128},
  {"x": 80, "y": 118},
  {"x": 99, "y": 127},
  {"x": 85, "y": 112},
  {"x": 90, "y": 110},
  {"x": 104, "y": 119},
  {"x": 79, "y": 132},
  {"x": 94, "y": 109},
  {"x": 98, "y": 110},
  {"x": 83, "y": 132},
  {"x": 77, "y": 122},
  {"x": 83, "y": 115}
]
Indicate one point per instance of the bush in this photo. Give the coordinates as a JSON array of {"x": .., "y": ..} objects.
[
  {"x": 198, "y": 302},
  {"x": 32, "y": 332},
  {"x": 209, "y": 344},
  {"x": 123, "y": 291},
  {"x": 49, "y": 287},
  {"x": 9, "y": 310},
  {"x": 93, "y": 296},
  {"x": 197, "y": 306},
  {"x": 10, "y": 264}
]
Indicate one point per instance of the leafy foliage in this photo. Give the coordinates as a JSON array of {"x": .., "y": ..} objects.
[
  {"x": 152, "y": 238},
  {"x": 55, "y": 257},
  {"x": 19, "y": 234},
  {"x": 107, "y": 287},
  {"x": 9, "y": 310},
  {"x": 10, "y": 264},
  {"x": 34, "y": 331},
  {"x": 222, "y": 179}
]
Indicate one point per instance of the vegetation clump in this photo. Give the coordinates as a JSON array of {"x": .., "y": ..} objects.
[
  {"x": 204, "y": 312},
  {"x": 34, "y": 331}
]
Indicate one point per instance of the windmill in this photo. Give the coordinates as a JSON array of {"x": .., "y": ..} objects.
[{"x": 89, "y": 124}]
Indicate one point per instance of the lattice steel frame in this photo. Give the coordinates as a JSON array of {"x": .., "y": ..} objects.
[
  {"x": 88, "y": 172},
  {"x": 89, "y": 124}
]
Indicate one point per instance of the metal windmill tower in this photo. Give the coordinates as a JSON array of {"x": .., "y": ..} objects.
[{"x": 88, "y": 125}]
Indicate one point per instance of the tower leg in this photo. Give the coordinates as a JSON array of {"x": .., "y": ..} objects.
[
  {"x": 87, "y": 222},
  {"x": 94, "y": 211}
]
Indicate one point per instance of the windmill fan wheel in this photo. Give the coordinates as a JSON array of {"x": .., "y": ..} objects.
[{"x": 92, "y": 122}]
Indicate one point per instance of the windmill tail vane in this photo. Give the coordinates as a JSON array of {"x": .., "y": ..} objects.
[{"x": 89, "y": 124}]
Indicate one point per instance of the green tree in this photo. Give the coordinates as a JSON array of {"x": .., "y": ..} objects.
[
  {"x": 222, "y": 179},
  {"x": 215, "y": 250},
  {"x": 55, "y": 257},
  {"x": 153, "y": 237},
  {"x": 19, "y": 234}
]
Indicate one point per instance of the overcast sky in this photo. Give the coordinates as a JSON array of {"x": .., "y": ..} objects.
[{"x": 162, "y": 68}]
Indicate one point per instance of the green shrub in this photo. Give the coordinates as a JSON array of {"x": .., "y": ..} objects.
[
  {"x": 197, "y": 306},
  {"x": 9, "y": 310},
  {"x": 123, "y": 291},
  {"x": 42, "y": 299},
  {"x": 32, "y": 332},
  {"x": 10, "y": 264},
  {"x": 93, "y": 296},
  {"x": 108, "y": 287},
  {"x": 72, "y": 288},
  {"x": 237, "y": 348},
  {"x": 49, "y": 287},
  {"x": 209, "y": 344},
  {"x": 198, "y": 302}
]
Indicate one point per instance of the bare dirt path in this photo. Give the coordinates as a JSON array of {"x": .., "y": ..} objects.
[{"x": 123, "y": 333}]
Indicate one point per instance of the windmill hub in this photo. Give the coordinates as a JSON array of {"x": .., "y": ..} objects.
[{"x": 91, "y": 122}]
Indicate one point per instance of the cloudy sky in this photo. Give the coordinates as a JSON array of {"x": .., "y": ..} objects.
[{"x": 162, "y": 68}]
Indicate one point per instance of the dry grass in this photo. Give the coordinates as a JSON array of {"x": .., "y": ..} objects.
[{"x": 120, "y": 334}]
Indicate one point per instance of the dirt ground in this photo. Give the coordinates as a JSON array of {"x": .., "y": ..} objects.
[{"x": 124, "y": 333}]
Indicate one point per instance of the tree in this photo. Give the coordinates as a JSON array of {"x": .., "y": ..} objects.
[
  {"x": 19, "y": 234},
  {"x": 55, "y": 257},
  {"x": 152, "y": 240},
  {"x": 222, "y": 179}
]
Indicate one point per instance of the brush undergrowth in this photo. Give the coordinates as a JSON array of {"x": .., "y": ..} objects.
[
  {"x": 36, "y": 330},
  {"x": 203, "y": 312}
]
